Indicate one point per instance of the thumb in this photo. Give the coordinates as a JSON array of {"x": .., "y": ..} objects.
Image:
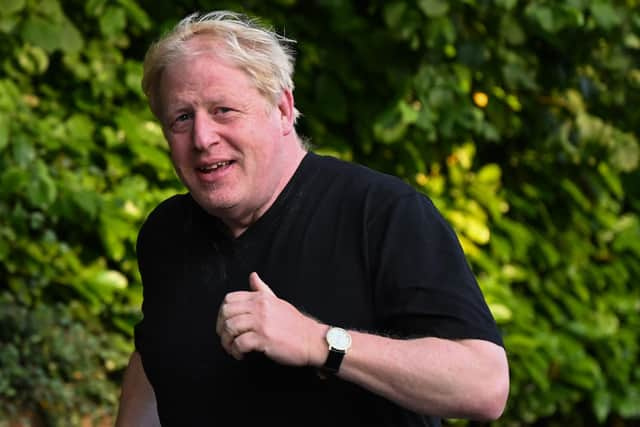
[{"x": 256, "y": 284}]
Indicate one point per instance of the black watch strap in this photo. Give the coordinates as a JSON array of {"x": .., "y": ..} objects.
[{"x": 333, "y": 362}]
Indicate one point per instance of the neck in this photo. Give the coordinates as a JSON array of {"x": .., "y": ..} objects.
[{"x": 239, "y": 221}]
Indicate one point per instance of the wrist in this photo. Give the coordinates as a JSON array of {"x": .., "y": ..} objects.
[
  {"x": 319, "y": 350},
  {"x": 338, "y": 343}
]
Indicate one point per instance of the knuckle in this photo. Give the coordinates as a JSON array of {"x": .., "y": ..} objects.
[{"x": 227, "y": 326}]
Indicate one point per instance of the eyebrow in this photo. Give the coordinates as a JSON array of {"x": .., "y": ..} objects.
[{"x": 182, "y": 105}]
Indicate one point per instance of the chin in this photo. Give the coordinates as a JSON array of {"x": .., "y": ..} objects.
[{"x": 215, "y": 204}]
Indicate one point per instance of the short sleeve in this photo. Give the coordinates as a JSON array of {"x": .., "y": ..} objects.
[{"x": 423, "y": 283}]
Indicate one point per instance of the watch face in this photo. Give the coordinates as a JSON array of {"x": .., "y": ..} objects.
[{"x": 339, "y": 339}]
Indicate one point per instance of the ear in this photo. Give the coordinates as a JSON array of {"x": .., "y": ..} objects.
[{"x": 287, "y": 111}]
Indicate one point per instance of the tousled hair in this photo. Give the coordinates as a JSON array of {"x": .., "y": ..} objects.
[{"x": 265, "y": 56}]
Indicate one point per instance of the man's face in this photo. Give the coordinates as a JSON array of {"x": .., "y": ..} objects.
[{"x": 226, "y": 139}]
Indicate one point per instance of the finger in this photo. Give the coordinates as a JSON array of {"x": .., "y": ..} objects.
[
  {"x": 256, "y": 284},
  {"x": 238, "y": 325},
  {"x": 237, "y": 296},
  {"x": 229, "y": 309},
  {"x": 245, "y": 343},
  {"x": 230, "y": 329}
]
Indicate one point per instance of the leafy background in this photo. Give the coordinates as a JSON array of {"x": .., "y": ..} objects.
[{"x": 519, "y": 119}]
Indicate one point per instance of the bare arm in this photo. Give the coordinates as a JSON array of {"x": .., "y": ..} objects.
[
  {"x": 137, "y": 400},
  {"x": 453, "y": 379},
  {"x": 446, "y": 378}
]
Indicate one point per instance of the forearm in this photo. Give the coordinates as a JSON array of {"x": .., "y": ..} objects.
[
  {"x": 457, "y": 379},
  {"x": 137, "y": 400}
]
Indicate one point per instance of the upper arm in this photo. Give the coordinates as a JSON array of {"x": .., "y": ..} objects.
[{"x": 137, "y": 399}]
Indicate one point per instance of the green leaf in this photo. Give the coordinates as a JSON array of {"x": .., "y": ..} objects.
[
  {"x": 576, "y": 194},
  {"x": 4, "y": 132},
  {"x": 41, "y": 32},
  {"x": 501, "y": 313},
  {"x": 477, "y": 230},
  {"x": 9, "y": 94},
  {"x": 37, "y": 57},
  {"x": 109, "y": 280},
  {"x": 605, "y": 14},
  {"x": 51, "y": 35},
  {"x": 8, "y": 23},
  {"x": 71, "y": 39},
  {"x": 511, "y": 30},
  {"x": 24, "y": 153},
  {"x": 138, "y": 15},
  {"x": 625, "y": 153},
  {"x": 489, "y": 174},
  {"x": 13, "y": 181},
  {"x": 95, "y": 7},
  {"x": 433, "y": 8},
  {"x": 629, "y": 407},
  {"x": 627, "y": 235},
  {"x": 542, "y": 15},
  {"x": 88, "y": 201},
  {"x": 41, "y": 191},
  {"x": 612, "y": 179},
  {"x": 390, "y": 127},
  {"x": 506, "y": 4},
  {"x": 80, "y": 131},
  {"x": 5, "y": 247},
  {"x": 113, "y": 21},
  {"x": 8, "y": 7},
  {"x": 393, "y": 13}
]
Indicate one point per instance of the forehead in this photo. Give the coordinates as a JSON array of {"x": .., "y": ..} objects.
[
  {"x": 200, "y": 57},
  {"x": 205, "y": 43},
  {"x": 201, "y": 72}
]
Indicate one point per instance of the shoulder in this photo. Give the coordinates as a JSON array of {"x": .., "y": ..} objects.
[
  {"x": 360, "y": 179},
  {"x": 167, "y": 217},
  {"x": 170, "y": 209},
  {"x": 363, "y": 192}
]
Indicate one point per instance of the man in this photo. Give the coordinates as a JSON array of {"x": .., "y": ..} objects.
[{"x": 287, "y": 287}]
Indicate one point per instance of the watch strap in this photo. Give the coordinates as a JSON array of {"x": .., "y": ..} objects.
[{"x": 333, "y": 362}]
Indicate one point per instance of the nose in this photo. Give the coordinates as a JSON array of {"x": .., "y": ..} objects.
[{"x": 205, "y": 132}]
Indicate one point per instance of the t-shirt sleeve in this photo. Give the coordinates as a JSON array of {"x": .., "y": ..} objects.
[
  {"x": 423, "y": 283},
  {"x": 156, "y": 255},
  {"x": 143, "y": 332}
]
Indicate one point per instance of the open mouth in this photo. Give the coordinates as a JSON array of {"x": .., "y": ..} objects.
[{"x": 214, "y": 167}]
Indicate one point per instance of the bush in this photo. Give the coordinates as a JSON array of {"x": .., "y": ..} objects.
[
  {"x": 515, "y": 116},
  {"x": 55, "y": 366}
]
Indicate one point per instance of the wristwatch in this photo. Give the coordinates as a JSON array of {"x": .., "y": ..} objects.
[{"x": 339, "y": 342}]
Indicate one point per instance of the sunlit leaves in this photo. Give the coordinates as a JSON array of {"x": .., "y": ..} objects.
[
  {"x": 433, "y": 8},
  {"x": 9, "y": 14},
  {"x": 605, "y": 14},
  {"x": 516, "y": 117},
  {"x": 68, "y": 227},
  {"x": 32, "y": 59},
  {"x": 554, "y": 17},
  {"x": 4, "y": 132},
  {"x": 112, "y": 21},
  {"x": 53, "y": 32}
]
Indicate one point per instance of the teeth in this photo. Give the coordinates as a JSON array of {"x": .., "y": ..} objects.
[{"x": 215, "y": 166}]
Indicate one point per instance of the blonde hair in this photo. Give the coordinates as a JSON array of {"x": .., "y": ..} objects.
[{"x": 265, "y": 56}]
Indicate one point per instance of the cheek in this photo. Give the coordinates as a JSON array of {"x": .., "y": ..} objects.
[{"x": 178, "y": 150}]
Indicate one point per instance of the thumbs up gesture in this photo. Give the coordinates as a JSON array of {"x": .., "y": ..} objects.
[{"x": 257, "y": 320}]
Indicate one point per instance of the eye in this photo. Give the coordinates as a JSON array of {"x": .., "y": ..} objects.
[
  {"x": 180, "y": 122},
  {"x": 184, "y": 117},
  {"x": 223, "y": 110}
]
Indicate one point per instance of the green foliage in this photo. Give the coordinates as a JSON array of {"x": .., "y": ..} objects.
[
  {"x": 515, "y": 116},
  {"x": 49, "y": 359},
  {"x": 78, "y": 173}
]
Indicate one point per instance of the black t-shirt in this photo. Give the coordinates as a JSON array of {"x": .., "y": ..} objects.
[{"x": 349, "y": 246}]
